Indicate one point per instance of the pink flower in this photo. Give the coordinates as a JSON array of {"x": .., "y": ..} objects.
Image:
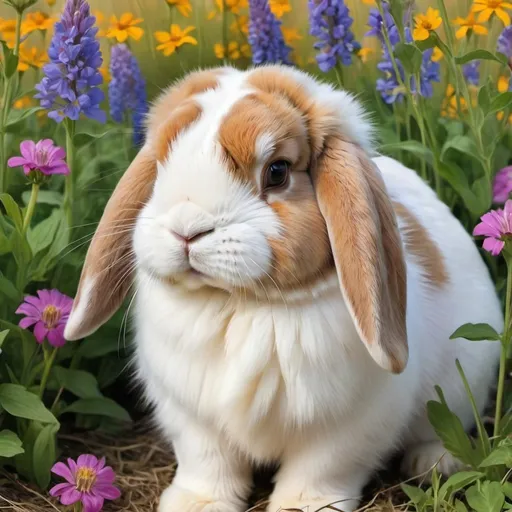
[
  {"x": 502, "y": 186},
  {"x": 495, "y": 225},
  {"x": 49, "y": 312},
  {"x": 43, "y": 156},
  {"x": 87, "y": 480}
]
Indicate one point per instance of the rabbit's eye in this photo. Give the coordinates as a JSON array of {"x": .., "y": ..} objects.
[{"x": 277, "y": 174}]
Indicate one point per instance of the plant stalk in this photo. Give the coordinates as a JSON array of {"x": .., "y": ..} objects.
[
  {"x": 48, "y": 363},
  {"x": 30, "y": 208}
]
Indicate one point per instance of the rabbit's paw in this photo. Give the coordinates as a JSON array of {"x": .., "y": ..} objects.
[
  {"x": 177, "y": 499},
  {"x": 419, "y": 460},
  {"x": 296, "y": 504}
]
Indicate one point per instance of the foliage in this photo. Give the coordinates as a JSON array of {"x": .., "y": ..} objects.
[{"x": 456, "y": 134}]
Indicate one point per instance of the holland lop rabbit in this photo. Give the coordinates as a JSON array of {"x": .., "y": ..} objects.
[{"x": 294, "y": 296}]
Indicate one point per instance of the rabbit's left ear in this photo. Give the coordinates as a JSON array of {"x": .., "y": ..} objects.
[{"x": 366, "y": 247}]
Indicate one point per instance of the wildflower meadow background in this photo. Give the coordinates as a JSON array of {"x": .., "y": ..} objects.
[{"x": 76, "y": 79}]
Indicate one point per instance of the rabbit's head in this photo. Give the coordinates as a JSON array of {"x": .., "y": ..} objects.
[{"x": 254, "y": 182}]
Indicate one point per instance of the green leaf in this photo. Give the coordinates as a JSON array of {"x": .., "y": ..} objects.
[
  {"x": 411, "y": 146},
  {"x": 17, "y": 116},
  {"x": 486, "y": 497},
  {"x": 484, "y": 98},
  {"x": 13, "y": 210},
  {"x": 500, "y": 102},
  {"x": 462, "y": 144},
  {"x": 100, "y": 407},
  {"x": 458, "y": 481},
  {"x": 426, "y": 44},
  {"x": 43, "y": 455},
  {"x": 3, "y": 335},
  {"x": 415, "y": 494},
  {"x": 19, "y": 402},
  {"x": 50, "y": 197},
  {"x": 81, "y": 383},
  {"x": 507, "y": 489},
  {"x": 481, "y": 55},
  {"x": 97, "y": 347},
  {"x": 84, "y": 137},
  {"x": 8, "y": 289},
  {"x": 450, "y": 430},
  {"x": 410, "y": 57},
  {"x": 476, "y": 332},
  {"x": 10, "y": 444},
  {"x": 460, "y": 507},
  {"x": 10, "y": 61},
  {"x": 5, "y": 243},
  {"x": 43, "y": 234},
  {"x": 500, "y": 455}
]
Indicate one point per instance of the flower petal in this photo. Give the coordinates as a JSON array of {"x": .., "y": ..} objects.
[
  {"x": 16, "y": 161},
  {"x": 64, "y": 471},
  {"x": 56, "y": 336},
  {"x": 70, "y": 496},
  {"x": 28, "y": 149},
  {"x": 40, "y": 332},
  {"x": 493, "y": 245},
  {"x": 107, "y": 491},
  {"x": 503, "y": 16},
  {"x": 106, "y": 475},
  {"x": 92, "y": 503},
  {"x": 28, "y": 321},
  {"x": 58, "y": 489},
  {"x": 29, "y": 310},
  {"x": 87, "y": 460}
]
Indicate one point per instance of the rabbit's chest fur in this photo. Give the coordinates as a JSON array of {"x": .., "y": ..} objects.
[{"x": 263, "y": 374}]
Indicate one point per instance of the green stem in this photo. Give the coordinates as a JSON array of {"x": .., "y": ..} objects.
[
  {"x": 69, "y": 192},
  {"x": 505, "y": 342},
  {"x": 48, "y": 363},
  {"x": 17, "y": 38},
  {"x": 30, "y": 208},
  {"x": 225, "y": 31},
  {"x": 75, "y": 361}
]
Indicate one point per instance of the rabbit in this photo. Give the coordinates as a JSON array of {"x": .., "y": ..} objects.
[{"x": 294, "y": 292}]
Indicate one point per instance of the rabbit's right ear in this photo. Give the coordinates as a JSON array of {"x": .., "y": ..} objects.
[{"x": 107, "y": 272}]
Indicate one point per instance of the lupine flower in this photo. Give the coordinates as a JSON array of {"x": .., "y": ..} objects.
[
  {"x": 172, "y": 40},
  {"x": 42, "y": 156},
  {"x": 502, "y": 186},
  {"x": 70, "y": 85},
  {"x": 467, "y": 24},
  {"x": 184, "y": 6},
  {"x": 377, "y": 25},
  {"x": 330, "y": 23},
  {"x": 505, "y": 43},
  {"x": 496, "y": 225},
  {"x": 125, "y": 27},
  {"x": 279, "y": 7},
  {"x": 425, "y": 23},
  {"x": 48, "y": 313},
  {"x": 471, "y": 72},
  {"x": 127, "y": 90},
  {"x": 487, "y": 8},
  {"x": 88, "y": 480},
  {"x": 265, "y": 36}
]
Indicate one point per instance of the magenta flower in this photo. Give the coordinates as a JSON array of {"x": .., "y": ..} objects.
[
  {"x": 87, "y": 480},
  {"x": 49, "y": 312},
  {"x": 43, "y": 156},
  {"x": 502, "y": 186},
  {"x": 495, "y": 225}
]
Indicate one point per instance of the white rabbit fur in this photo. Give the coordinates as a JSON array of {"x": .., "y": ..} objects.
[{"x": 238, "y": 379}]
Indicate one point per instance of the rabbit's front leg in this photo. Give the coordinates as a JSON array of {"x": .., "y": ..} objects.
[{"x": 211, "y": 477}]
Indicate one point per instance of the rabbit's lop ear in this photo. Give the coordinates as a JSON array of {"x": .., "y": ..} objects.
[
  {"x": 106, "y": 275},
  {"x": 366, "y": 248}
]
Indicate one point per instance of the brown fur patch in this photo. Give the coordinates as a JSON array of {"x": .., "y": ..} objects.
[
  {"x": 366, "y": 248},
  {"x": 418, "y": 243},
  {"x": 179, "y": 119}
]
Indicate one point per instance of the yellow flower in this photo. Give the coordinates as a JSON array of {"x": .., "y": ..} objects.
[
  {"x": 468, "y": 23},
  {"x": 235, "y": 51},
  {"x": 36, "y": 21},
  {"x": 184, "y": 6},
  {"x": 172, "y": 40},
  {"x": 425, "y": 23},
  {"x": 241, "y": 24},
  {"x": 437, "y": 54},
  {"x": 487, "y": 7},
  {"x": 449, "y": 106},
  {"x": 501, "y": 115},
  {"x": 233, "y": 6},
  {"x": 105, "y": 73},
  {"x": 279, "y": 7},
  {"x": 290, "y": 35},
  {"x": 100, "y": 19},
  {"x": 51, "y": 3},
  {"x": 31, "y": 57},
  {"x": 8, "y": 31},
  {"x": 23, "y": 102},
  {"x": 125, "y": 27},
  {"x": 369, "y": 2},
  {"x": 364, "y": 53},
  {"x": 503, "y": 83}
]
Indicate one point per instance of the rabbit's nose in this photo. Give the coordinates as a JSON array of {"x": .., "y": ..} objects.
[
  {"x": 192, "y": 236},
  {"x": 189, "y": 222}
]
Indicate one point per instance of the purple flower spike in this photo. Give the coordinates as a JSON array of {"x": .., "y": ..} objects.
[
  {"x": 505, "y": 42},
  {"x": 69, "y": 87},
  {"x": 330, "y": 23},
  {"x": 43, "y": 156},
  {"x": 471, "y": 72},
  {"x": 127, "y": 90},
  {"x": 265, "y": 36},
  {"x": 48, "y": 313}
]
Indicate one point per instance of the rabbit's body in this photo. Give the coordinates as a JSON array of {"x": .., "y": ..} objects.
[{"x": 269, "y": 315}]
